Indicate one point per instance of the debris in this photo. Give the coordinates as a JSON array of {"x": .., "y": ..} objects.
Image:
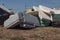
[
  {"x": 4, "y": 14},
  {"x": 22, "y": 19}
]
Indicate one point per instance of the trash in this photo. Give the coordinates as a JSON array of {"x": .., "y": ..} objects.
[
  {"x": 4, "y": 14},
  {"x": 56, "y": 16},
  {"x": 45, "y": 22},
  {"x": 22, "y": 19},
  {"x": 45, "y": 9},
  {"x": 11, "y": 21},
  {"x": 32, "y": 12},
  {"x": 44, "y": 15},
  {"x": 38, "y": 16},
  {"x": 30, "y": 20}
]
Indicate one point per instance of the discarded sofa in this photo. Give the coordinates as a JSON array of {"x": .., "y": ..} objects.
[
  {"x": 4, "y": 14},
  {"x": 22, "y": 19}
]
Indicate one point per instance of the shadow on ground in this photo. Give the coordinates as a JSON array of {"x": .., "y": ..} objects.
[{"x": 21, "y": 28}]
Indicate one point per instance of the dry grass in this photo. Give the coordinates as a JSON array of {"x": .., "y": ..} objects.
[{"x": 40, "y": 33}]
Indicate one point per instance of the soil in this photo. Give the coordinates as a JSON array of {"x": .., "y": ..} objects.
[{"x": 39, "y": 33}]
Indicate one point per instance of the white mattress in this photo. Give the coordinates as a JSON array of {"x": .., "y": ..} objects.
[
  {"x": 22, "y": 19},
  {"x": 11, "y": 21}
]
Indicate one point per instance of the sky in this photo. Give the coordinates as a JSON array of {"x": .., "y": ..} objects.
[{"x": 21, "y": 5}]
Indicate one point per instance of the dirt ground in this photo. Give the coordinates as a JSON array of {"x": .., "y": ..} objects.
[{"x": 39, "y": 33}]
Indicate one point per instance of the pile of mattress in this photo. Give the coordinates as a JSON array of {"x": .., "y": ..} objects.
[{"x": 39, "y": 16}]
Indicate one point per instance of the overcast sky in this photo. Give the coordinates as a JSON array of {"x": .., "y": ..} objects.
[{"x": 19, "y": 5}]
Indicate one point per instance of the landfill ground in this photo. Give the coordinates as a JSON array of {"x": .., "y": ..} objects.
[{"x": 39, "y": 33}]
